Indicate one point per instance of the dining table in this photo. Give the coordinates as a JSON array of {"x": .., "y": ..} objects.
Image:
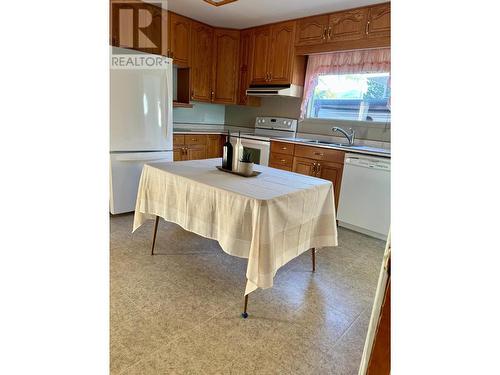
[{"x": 269, "y": 219}]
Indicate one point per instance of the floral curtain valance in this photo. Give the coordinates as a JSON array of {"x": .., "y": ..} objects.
[{"x": 345, "y": 62}]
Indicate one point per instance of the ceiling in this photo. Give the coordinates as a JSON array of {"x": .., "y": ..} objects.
[{"x": 248, "y": 13}]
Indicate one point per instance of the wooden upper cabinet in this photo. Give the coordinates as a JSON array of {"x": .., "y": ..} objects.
[
  {"x": 245, "y": 51},
  {"x": 350, "y": 25},
  {"x": 179, "y": 39},
  {"x": 379, "y": 21},
  {"x": 246, "y": 55},
  {"x": 201, "y": 61},
  {"x": 225, "y": 66},
  {"x": 311, "y": 30},
  {"x": 273, "y": 54},
  {"x": 261, "y": 48},
  {"x": 366, "y": 27},
  {"x": 282, "y": 53}
]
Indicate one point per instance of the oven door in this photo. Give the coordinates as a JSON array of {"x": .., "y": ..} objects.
[{"x": 258, "y": 149}]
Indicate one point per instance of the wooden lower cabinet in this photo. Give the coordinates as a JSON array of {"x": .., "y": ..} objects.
[
  {"x": 332, "y": 172},
  {"x": 304, "y": 166},
  {"x": 326, "y": 170},
  {"x": 214, "y": 146},
  {"x": 197, "y": 146},
  {"x": 321, "y": 162},
  {"x": 281, "y": 161},
  {"x": 196, "y": 152},
  {"x": 178, "y": 153}
]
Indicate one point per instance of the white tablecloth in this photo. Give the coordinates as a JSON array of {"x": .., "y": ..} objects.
[{"x": 269, "y": 219}]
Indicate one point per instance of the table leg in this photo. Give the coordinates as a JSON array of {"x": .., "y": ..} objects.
[
  {"x": 154, "y": 235},
  {"x": 313, "y": 253},
  {"x": 244, "y": 315}
]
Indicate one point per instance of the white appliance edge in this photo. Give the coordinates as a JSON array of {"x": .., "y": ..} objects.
[
  {"x": 141, "y": 127},
  {"x": 365, "y": 195}
]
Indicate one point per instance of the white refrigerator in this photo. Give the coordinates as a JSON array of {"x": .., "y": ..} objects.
[{"x": 140, "y": 122}]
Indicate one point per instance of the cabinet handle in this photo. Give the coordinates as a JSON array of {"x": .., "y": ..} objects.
[
  {"x": 318, "y": 169},
  {"x": 283, "y": 148},
  {"x": 324, "y": 34},
  {"x": 318, "y": 154},
  {"x": 367, "y": 29},
  {"x": 314, "y": 167},
  {"x": 283, "y": 161},
  {"x": 329, "y": 32},
  {"x": 193, "y": 139}
]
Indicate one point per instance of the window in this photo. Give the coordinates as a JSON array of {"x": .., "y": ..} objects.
[{"x": 358, "y": 97}]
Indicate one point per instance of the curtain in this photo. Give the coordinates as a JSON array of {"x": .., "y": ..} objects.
[{"x": 345, "y": 62}]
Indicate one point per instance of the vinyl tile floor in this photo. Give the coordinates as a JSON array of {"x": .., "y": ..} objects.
[{"x": 178, "y": 312}]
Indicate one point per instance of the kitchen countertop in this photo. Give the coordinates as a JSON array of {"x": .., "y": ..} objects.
[{"x": 356, "y": 149}]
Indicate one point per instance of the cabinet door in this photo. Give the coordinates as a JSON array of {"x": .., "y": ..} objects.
[
  {"x": 281, "y": 54},
  {"x": 179, "y": 139},
  {"x": 311, "y": 30},
  {"x": 195, "y": 139},
  {"x": 201, "y": 62},
  {"x": 281, "y": 161},
  {"x": 214, "y": 149},
  {"x": 349, "y": 25},
  {"x": 196, "y": 152},
  {"x": 180, "y": 31},
  {"x": 332, "y": 172},
  {"x": 246, "y": 54},
  {"x": 225, "y": 66},
  {"x": 261, "y": 46},
  {"x": 304, "y": 166},
  {"x": 379, "y": 21},
  {"x": 178, "y": 153}
]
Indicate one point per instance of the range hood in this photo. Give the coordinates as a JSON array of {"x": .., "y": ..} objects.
[{"x": 275, "y": 90}]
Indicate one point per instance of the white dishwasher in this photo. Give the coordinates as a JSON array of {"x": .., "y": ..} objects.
[{"x": 365, "y": 195}]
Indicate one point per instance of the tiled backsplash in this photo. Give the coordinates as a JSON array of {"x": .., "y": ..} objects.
[
  {"x": 201, "y": 113},
  {"x": 235, "y": 115}
]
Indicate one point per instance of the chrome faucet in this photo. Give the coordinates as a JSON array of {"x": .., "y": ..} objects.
[{"x": 350, "y": 137}]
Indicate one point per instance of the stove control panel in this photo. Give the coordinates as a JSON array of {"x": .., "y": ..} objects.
[{"x": 276, "y": 123}]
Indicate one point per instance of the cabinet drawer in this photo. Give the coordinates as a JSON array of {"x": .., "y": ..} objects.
[
  {"x": 279, "y": 166},
  {"x": 178, "y": 139},
  {"x": 282, "y": 148},
  {"x": 195, "y": 139},
  {"x": 281, "y": 159},
  {"x": 319, "y": 153}
]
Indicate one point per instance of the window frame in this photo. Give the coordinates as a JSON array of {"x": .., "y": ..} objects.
[{"x": 310, "y": 118}]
